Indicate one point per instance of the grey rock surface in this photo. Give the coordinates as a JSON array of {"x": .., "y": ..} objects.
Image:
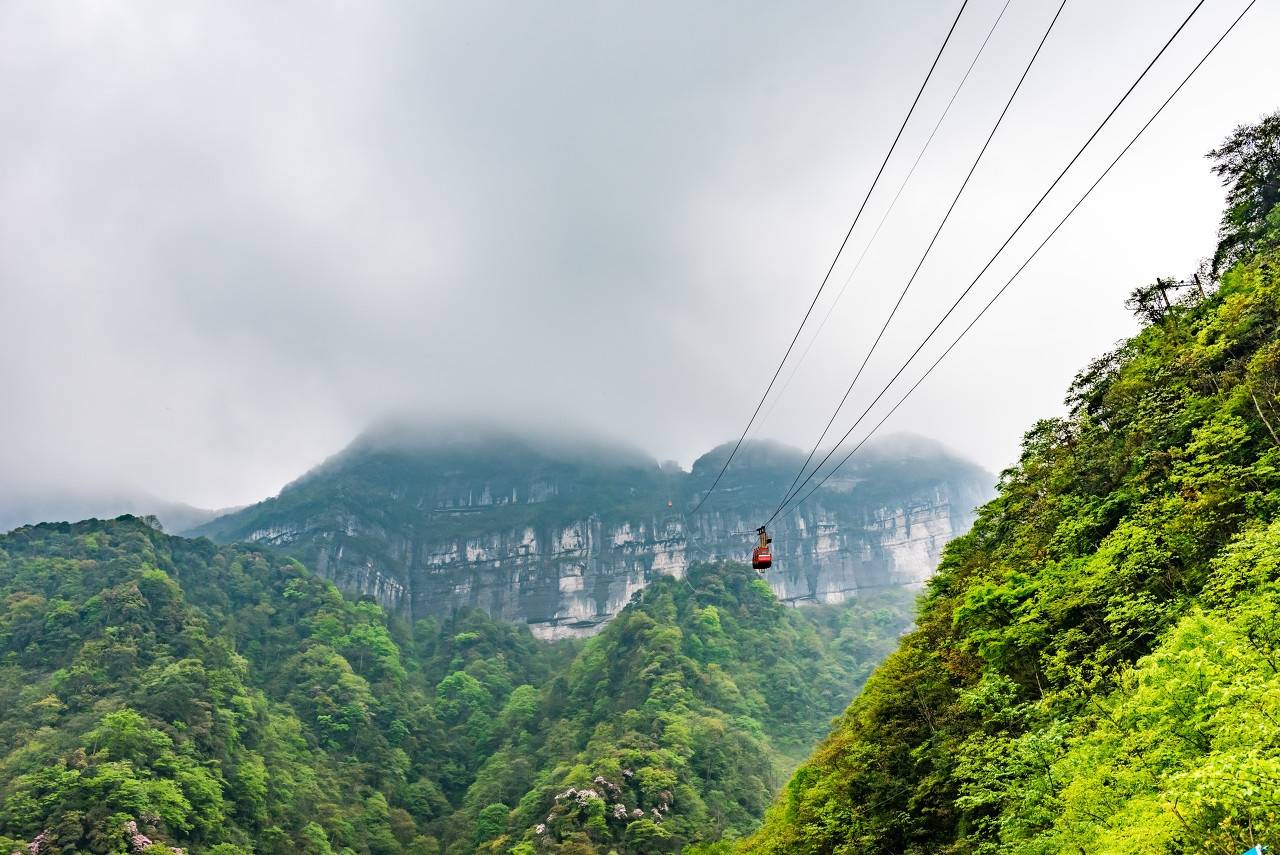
[{"x": 561, "y": 535}]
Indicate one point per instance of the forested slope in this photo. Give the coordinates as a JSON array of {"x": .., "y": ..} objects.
[
  {"x": 1095, "y": 667},
  {"x": 218, "y": 698},
  {"x": 157, "y": 691}
]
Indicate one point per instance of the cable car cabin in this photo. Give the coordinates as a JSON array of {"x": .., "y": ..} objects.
[{"x": 762, "y": 555}]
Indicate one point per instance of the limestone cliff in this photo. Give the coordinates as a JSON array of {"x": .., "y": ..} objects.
[{"x": 561, "y": 537}]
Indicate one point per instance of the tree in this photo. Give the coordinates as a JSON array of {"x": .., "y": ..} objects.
[
  {"x": 1248, "y": 163},
  {"x": 1150, "y": 303},
  {"x": 491, "y": 822}
]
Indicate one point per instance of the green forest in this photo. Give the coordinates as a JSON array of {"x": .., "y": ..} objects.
[
  {"x": 1096, "y": 666},
  {"x": 161, "y": 693}
]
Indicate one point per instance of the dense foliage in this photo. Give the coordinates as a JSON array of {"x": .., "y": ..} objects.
[
  {"x": 157, "y": 691},
  {"x": 1096, "y": 667},
  {"x": 677, "y": 721}
]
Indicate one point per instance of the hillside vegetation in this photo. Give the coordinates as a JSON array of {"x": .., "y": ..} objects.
[
  {"x": 1096, "y": 667},
  {"x": 161, "y": 692}
]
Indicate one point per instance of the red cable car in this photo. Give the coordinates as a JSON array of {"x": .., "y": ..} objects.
[{"x": 762, "y": 556}]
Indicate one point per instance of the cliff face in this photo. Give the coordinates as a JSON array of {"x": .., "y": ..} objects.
[{"x": 561, "y": 539}]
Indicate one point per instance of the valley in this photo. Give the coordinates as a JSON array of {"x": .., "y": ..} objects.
[{"x": 841, "y": 428}]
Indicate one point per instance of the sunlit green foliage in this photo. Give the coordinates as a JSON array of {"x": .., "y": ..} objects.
[{"x": 1095, "y": 667}]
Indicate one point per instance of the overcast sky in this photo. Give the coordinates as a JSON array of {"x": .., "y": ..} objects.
[{"x": 233, "y": 234}]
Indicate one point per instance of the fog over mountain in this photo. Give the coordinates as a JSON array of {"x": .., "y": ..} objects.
[
  {"x": 558, "y": 532},
  {"x": 232, "y": 236},
  {"x": 69, "y": 507}
]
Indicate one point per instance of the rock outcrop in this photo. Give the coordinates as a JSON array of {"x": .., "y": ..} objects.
[{"x": 560, "y": 538}]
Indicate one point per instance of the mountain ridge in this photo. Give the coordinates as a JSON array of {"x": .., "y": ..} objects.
[
  {"x": 561, "y": 534},
  {"x": 19, "y": 510}
]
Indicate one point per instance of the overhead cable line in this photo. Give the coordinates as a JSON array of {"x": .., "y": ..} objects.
[
  {"x": 924, "y": 256},
  {"x": 996, "y": 255},
  {"x": 795, "y": 366},
  {"x": 843, "y": 243},
  {"x": 1035, "y": 252}
]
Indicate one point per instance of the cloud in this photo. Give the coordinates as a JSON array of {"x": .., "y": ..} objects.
[{"x": 232, "y": 236}]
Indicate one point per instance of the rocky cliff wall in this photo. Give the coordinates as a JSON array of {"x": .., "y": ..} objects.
[{"x": 569, "y": 578}]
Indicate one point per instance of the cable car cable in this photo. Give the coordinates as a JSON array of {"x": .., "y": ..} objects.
[
  {"x": 843, "y": 243},
  {"x": 993, "y": 258},
  {"x": 1036, "y": 251},
  {"x": 924, "y": 257},
  {"x": 795, "y": 366},
  {"x": 1041, "y": 246}
]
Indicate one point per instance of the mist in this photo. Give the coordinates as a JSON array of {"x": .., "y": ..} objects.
[{"x": 234, "y": 236}]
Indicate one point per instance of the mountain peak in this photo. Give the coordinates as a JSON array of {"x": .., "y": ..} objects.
[
  {"x": 752, "y": 454},
  {"x": 424, "y": 437},
  {"x": 560, "y": 532}
]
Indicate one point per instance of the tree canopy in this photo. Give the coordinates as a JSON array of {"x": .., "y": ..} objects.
[{"x": 165, "y": 692}]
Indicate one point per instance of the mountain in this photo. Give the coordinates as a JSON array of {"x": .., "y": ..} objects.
[
  {"x": 158, "y": 692},
  {"x": 19, "y": 509},
  {"x": 1096, "y": 665},
  {"x": 560, "y": 534}
]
